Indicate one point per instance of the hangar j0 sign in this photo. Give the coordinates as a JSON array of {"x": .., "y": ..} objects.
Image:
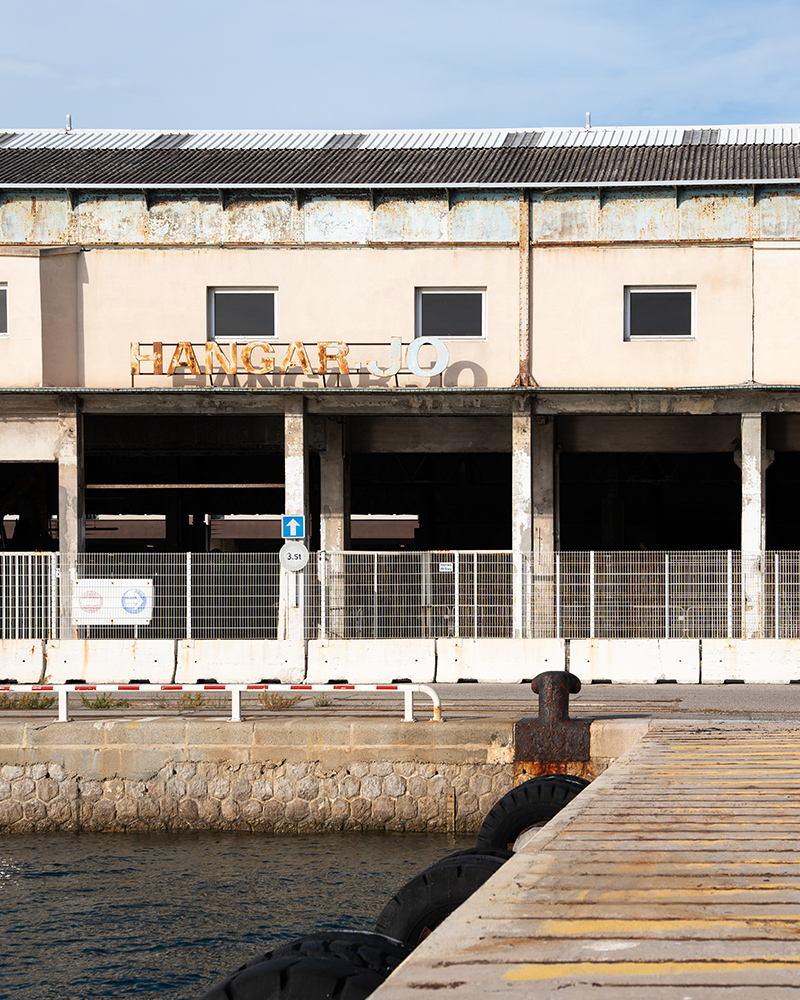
[{"x": 260, "y": 357}]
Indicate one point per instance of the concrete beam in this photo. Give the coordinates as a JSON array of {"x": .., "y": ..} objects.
[
  {"x": 425, "y": 435},
  {"x": 646, "y": 433}
]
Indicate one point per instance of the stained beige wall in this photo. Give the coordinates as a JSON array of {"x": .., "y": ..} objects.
[
  {"x": 578, "y": 308},
  {"x": 777, "y": 317},
  {"x": 21, "y": 350},
  {"x": 360, "y": 296}
]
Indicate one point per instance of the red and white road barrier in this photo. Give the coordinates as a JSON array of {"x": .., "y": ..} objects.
[{"x": 64, "y": 690}]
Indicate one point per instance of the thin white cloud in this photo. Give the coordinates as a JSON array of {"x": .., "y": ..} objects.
[{"x": 24, "y": 69}]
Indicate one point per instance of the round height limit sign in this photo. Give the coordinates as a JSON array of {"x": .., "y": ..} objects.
[{"x": 294, "y": 554}]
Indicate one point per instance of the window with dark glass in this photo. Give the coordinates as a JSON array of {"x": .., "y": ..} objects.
[
  {"x": 659, "y": 312},
  {"x": 241, "y": 314},
  {"x": 3, "y": 310},
  {"x": 444, "y": 312}
]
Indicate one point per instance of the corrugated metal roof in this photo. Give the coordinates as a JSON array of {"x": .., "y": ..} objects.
[
  {"x": 430, "y": 158},
  {"x": 395, "y": 138}
]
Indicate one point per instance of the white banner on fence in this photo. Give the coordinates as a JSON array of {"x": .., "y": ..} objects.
[{"x": 112, "y": 602}]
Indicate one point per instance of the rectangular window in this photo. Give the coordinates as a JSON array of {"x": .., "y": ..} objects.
[
  {"x": 451, "y": 312},
  {"x": 3, "y": 310},
  {"x": 242, "y": 314},
  {"x": 657, "y": 313}
]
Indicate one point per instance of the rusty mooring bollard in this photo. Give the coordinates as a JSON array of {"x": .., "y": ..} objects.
[{"x": 553, "y": 738}]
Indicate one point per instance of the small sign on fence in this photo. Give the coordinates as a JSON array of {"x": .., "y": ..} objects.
[{"x": 112, "y": 602}]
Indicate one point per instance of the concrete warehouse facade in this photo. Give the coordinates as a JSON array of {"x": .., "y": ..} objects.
[{"x": 436, "y": 346}]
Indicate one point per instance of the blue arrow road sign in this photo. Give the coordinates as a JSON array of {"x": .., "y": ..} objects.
[{"x": 293, "y": 526}]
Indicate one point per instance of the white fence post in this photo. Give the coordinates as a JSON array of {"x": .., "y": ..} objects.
[
  {"x": 188, "y": 595},
  {"x": 730, "y": 594},
  {"x": 456, "y": 574},
  {"x": 666, "y": 594},
  {"x": 558, "y": 595},
  {"x": 777, "y": 595},
  {"x": 475, "y": 595},
  {"x": 591, "y": 595}
]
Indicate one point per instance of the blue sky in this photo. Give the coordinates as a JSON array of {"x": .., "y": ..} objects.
[{"x": 424, "y": 63}]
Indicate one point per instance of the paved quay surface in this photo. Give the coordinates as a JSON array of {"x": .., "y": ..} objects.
[
  {"x": 674, "y": 876},
  {"x": 752, "y": 701}
]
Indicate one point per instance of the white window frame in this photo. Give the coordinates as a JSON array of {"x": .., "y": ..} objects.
[
  {"x": 449, "y": 290},
  {"x": 636, "y": 338},
  {"x": 4, "y": 296},
  {"x": 237, "y": 290}
]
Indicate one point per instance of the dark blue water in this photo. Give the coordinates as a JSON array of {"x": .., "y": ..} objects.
[{"x": 167, "y": 915}]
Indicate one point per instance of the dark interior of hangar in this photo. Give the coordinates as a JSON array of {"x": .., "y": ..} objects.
[
  {"x": 187, "y": 469},
  {"x": 463, "y": 501},
  {"x": 782, "y": 501},
  {"x": 28, "y": 492},
  {"x": 629, "y": 501}
]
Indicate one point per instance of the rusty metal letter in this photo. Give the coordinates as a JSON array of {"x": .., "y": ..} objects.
[
  {"x": 269, "y": 358},
  {"x": 215, "y": 353},
  {"x": 333, "y": 350},
  {"x": 302, "y": 358},
  {"x": 184, "y": 347},
  {"x": 395, "y": 361},
  {"x": 156, "y": 357}
]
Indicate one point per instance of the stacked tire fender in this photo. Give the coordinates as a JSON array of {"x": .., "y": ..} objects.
[{"x": 350, "y": 965}]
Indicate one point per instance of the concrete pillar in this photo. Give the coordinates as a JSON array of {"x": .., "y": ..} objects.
[
  {"x": 334, "y": 489},
  {"x": 543, "y": 463},
  {"x": 542, "y": 569},
  {"x": 521, "y": 512},
  {"x": 334, "y": 528},
  {"x": 71, "y": 513},
  {"x": 755, "y": 460},
  {"x": 521, "y": 480},
  {"x": 291, "y": 623}
]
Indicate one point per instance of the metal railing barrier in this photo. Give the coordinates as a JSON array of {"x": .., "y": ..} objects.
[{"x": 235, "y": 690}]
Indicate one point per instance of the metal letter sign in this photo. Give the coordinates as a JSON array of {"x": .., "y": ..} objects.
[{"x": 293, "y": 526}]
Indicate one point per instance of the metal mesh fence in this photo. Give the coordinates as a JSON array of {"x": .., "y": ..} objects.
[{"x": 380, "y": 595}]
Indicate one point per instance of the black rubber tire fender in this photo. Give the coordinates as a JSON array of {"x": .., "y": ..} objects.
[
  {"x": 501, "y": 853},
  {"x": 533, "y": 803},
  {"x": 298, "y": 977},
  {"x": 424, "y": 902},
  {"x": 315, "y": 967}
]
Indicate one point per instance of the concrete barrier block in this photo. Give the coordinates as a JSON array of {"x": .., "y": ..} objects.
[
  {"x": 110, "y": 661},
  {"x": 22, "y": 660},
  {"x": 635, "y": 661},
  {"x": 371, "y": 661},
  {"x": 241, "y": 661},
  {"x": 756, "y": 661},
  {"x": 502, "y": 661}
]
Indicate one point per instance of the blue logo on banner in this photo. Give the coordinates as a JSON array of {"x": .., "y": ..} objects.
[{"x": 134, "y": 601}]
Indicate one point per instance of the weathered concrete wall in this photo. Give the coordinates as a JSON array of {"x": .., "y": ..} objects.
[{"x": 272, "y": 776}]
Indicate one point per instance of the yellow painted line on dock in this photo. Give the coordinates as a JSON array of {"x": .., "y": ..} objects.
[{"x": 570, "y": 970}]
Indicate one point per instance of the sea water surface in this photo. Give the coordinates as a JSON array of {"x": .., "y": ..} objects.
[{"x": 168, "y": 915}]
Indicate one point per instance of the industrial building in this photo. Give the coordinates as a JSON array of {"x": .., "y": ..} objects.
[{"x": 537, "y": 387}]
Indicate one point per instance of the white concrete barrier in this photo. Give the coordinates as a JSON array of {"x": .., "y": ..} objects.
[
  {"x": 635, "y": 661},
  {"x": 371, "y": 661},
  {"x": 757, "y": 661},
  {"x": 235, "y": 661},
  {"x": 502, "y": 661},
  {"x": 22, "y": 659},
  {"x": 110, "y": 661}
]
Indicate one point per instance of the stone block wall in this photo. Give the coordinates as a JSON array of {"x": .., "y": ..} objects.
[{"x": 275, "y": 798}]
